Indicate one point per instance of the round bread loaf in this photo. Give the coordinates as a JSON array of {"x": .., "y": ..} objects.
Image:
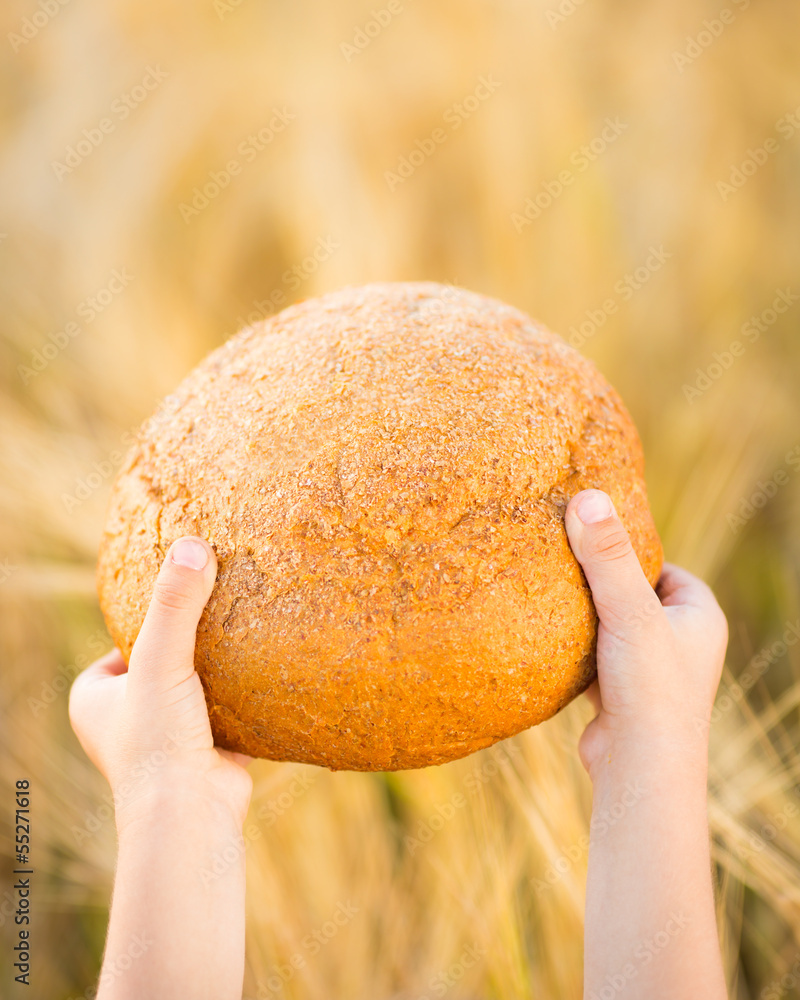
[{"x": 383, "y": 473}]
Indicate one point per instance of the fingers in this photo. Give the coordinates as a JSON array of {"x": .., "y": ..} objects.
[
  {"x": 164, "y": 649},
  {"x": 688, "y": 599},
  {"x": 93, "y": 698},
  {"x": 109, "y": 665},
  {"x": 678, "y": 586},
  {"x": 95, "y": 678},
  {"x": 622, "y": 595},
  {"x": 590, "y": 745}
]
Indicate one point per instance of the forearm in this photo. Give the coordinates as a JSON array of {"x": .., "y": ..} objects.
[
  {"x": 650, "y": 921},
  {"x": 177, "y": 917}
]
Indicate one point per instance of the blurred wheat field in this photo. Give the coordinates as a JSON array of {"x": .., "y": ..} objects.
[{"x": 653, "y": 259}]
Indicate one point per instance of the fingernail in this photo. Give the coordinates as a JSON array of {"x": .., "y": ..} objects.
[
  {"x": 594, "y": 506},
  {"x": 189, "y": 553}
]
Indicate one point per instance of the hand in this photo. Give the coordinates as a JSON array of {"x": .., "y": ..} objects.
[
  {"x": 146, "y": 726},
  {"x": 659, "y": 659},
  {"x": 659, "y": 652}
]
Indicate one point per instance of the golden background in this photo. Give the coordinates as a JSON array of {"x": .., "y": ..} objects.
[{"x": 670, "y": 232}]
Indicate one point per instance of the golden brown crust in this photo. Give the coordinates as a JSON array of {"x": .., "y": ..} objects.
[{"x": 383, "y": 474}]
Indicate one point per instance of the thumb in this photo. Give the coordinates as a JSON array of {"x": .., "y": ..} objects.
[
  {"x": 164, "y": 649},
  {"x": 623, "y": 597}
]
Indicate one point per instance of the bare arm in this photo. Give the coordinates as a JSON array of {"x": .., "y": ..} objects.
[
  {"x": 176, "y": 927},
  {"x": 650, "y": 922},
  {"x": 177, "y": 916}
]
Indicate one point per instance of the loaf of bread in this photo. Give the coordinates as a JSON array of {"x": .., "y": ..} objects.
[{"x": 383, "y": 473}]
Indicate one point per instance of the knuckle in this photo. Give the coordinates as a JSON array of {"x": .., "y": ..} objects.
[
  {"x": 173, "y": 595},
  {"x": 611, "y": 544}
]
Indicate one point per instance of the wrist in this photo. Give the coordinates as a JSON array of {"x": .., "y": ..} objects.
[
  {"x": 657, "y": 748},
  {"x": 183, "y": 795}
]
